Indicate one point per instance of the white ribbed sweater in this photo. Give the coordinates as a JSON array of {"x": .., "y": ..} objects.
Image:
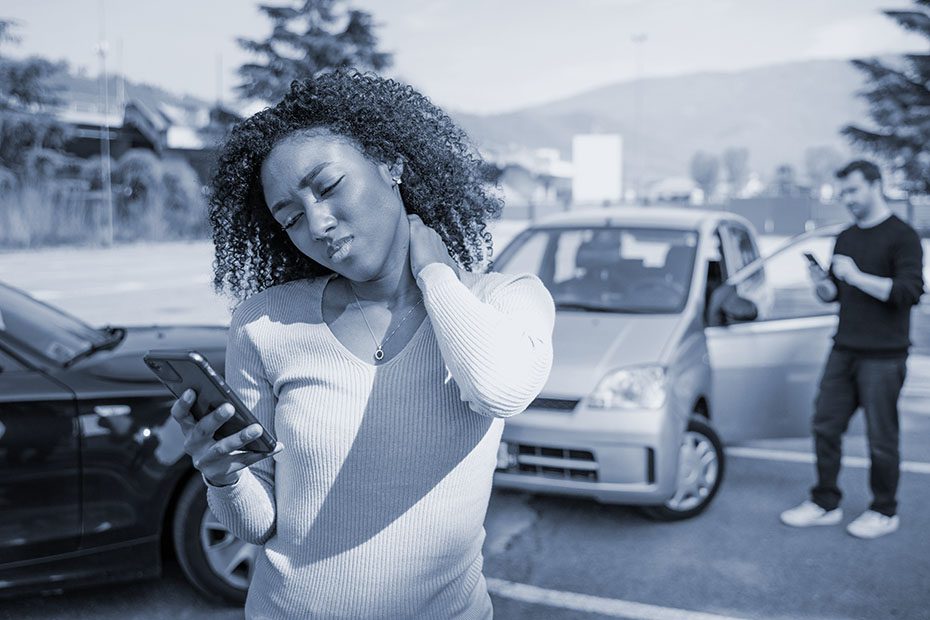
[{"x": 375, "y": 507}]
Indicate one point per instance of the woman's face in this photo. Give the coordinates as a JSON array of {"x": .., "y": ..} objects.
[{"x": 338, "y": 207}]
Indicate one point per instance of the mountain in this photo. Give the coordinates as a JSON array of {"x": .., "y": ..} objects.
[{"x": 776, "y": 112}]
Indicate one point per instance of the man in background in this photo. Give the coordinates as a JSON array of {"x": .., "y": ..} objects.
[{"x": 876, "y": 275}]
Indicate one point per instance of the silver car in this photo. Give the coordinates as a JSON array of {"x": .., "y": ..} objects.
[{"x": 669, "y": 338}]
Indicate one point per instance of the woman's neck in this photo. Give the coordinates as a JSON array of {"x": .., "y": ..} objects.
[{"x": 395, "y": 287}]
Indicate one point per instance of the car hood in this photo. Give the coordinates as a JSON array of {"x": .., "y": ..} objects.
[
  {"x": 586, "y": 346},
  {"x": 124, "y": 363}
]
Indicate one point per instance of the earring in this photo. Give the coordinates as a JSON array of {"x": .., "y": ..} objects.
[{"x": 396, "y": 180}]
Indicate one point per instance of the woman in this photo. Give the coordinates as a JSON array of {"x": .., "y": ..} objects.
[{"x": 347, "y": 218}]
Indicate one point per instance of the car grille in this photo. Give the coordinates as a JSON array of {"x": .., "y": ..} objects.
[
  {"x": 550, "y": 462},
  {"x": 559, "y": 404}
]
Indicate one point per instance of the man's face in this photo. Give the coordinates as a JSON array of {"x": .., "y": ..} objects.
[{"x": 858, "y": 195}]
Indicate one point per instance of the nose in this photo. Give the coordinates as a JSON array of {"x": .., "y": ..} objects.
[{"x": 320, "y": 219}]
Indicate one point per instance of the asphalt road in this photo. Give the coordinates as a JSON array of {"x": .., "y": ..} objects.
[
  {"x": 550, "y": 557},
  {"x": 734, "y": 561}
]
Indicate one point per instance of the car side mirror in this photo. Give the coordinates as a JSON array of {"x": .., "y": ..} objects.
[
  {"x": 726, "y": 306},
  {"x": 738, "y": 309}
]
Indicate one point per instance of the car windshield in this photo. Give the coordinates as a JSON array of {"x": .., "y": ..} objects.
[
  {"x": 30, "y": 325},
  {"x": 607, "y": 269}
]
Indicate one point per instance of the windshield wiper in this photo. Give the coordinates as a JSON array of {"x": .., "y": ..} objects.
[
  {"x": 612, "y": 309},
  {"x": 115, "y": 336},
  {"x": 584, "y": 307}
]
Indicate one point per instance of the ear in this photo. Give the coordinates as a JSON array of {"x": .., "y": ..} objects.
[{"x": 397, "y": 168}]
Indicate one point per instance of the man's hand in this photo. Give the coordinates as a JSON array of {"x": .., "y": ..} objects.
[
  {"x": 426, "y": 246},
  {"x": 845, "y": 268}
]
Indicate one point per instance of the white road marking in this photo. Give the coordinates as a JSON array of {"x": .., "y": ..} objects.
[
  {"x": 765, "y": 454},
  {"x": 615, "y": 608}
]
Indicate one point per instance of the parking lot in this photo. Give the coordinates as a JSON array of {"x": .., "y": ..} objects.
[{"x": 550, "y": 557}]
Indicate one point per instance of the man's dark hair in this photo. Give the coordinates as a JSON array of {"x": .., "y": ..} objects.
[{"x": 869, "y": 171}]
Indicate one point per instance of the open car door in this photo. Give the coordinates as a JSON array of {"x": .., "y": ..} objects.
[{"x": 766, "y": 370}]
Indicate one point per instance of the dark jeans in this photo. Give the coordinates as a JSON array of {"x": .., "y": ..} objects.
[{"x": 851, "y": 381}]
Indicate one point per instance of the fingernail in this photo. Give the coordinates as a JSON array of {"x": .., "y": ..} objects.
[
  {"x": 254, "y": 432},
  {"x": 188, "y": 396},
  {"x": 227, "y": 409}
]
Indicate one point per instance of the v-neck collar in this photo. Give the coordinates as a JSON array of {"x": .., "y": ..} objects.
[{"x": 347, "y": 352}]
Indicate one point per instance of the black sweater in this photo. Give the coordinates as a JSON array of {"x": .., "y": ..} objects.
[{"x": 867, "y": 325}]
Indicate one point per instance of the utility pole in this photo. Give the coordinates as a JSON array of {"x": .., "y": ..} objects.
[
  {"x": 105, "y": 129},
  {"x": 638, "y": 40}
]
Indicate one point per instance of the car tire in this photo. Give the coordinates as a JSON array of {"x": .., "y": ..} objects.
[
  {"x": 216, "y": 563},
  {"x": 700, "y": 473}
]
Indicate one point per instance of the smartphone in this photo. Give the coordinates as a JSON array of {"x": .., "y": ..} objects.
[
  {"x": 813, "y": 261},
  {"x": 182, "y": 369}
]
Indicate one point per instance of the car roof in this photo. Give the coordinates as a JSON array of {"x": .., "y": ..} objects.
[{"x": 636, "y": 215}]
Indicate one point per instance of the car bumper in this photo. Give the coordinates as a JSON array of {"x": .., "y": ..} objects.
[{"x": 612, "y": 456}]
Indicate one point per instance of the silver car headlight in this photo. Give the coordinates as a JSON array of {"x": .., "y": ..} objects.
[{"x": 638, "y": 387}]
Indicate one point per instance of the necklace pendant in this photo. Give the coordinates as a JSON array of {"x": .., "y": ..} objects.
[{"x": 379, "y": 354}]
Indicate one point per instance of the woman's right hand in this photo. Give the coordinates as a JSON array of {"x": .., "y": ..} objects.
[{"x": 220, "y": 461}]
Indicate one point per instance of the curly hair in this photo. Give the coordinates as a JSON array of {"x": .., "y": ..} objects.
[{"x": 442, "y": 180}]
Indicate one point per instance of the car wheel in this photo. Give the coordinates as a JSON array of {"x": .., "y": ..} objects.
[
  {"x": 217, "y": 563},
  {"x": 701, "y": 463}
]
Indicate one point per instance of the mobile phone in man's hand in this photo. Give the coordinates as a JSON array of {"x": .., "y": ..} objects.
[{"x": 812, "y": 260}]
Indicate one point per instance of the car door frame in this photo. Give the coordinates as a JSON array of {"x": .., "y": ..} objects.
[{"x": 765, "y": 371}]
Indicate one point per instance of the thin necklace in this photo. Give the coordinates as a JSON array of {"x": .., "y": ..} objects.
[{"x": 379, "y": 352}]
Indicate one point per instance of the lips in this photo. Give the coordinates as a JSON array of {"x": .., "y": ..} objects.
[{"x": 335, "y": 249}]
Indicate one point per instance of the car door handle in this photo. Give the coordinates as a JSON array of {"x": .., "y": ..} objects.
[{"x": 108, "y": 411}]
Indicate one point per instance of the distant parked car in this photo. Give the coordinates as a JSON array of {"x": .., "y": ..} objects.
[
  {"x": 94, "y": 482},
  {"x": 669, "y": 340}
]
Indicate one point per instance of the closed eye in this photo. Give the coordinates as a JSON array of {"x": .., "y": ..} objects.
[
  {"x": 292, "y": 220},
  {"x": 330, "y": 188}
]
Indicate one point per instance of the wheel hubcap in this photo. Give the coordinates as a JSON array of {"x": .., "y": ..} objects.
[
  {"x": 698, "y": 469},
  {"x": 230, "y": 558}
]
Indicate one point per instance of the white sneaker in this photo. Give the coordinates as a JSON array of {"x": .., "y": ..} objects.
[
  {"x": 871, "y": 524},
  {"x": 809, "y": 513}
]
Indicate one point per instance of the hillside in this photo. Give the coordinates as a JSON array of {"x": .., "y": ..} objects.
[{"x": 776, "y": 112}]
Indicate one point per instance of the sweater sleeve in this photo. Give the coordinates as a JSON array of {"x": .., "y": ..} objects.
[
  {"x": 247, "y": 507},
  {"x": 498, "y": 352},
  {"x": 907, "y": 283}
]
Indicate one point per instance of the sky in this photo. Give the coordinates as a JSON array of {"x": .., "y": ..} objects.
[{"x": 478, "y": 56}]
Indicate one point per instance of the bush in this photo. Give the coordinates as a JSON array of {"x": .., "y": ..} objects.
[{"x": 56, "y": 199}]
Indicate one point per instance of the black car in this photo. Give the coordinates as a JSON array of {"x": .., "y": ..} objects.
[{"x": 94, "y": 482}]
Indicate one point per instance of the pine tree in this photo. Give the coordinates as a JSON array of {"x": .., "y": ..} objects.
[
  {"x": 899, "y": 104},
  {"x": 315, "y": 36}
]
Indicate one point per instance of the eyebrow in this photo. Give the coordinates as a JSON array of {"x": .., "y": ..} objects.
[{"x": 304, "y": 183}]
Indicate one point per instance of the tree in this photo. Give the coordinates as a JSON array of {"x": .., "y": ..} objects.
[
  {"x": 26, "y": 90},
  {"x": 705, "y": 170},
  {"x": 785, "y": 182},
  {"x": 736, "y": 162},
  {"x": 820, "y": 164},
  {"x": 899, "y": 104},
  {"x": 314, "y": 36}
]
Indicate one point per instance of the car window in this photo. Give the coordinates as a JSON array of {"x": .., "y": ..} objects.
[
  {"x": 743, "y": 251},
  {"x": 528, "y": 258},
  {"x": 787, "y": 275},
  {"x": 612, "y": 269}
]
